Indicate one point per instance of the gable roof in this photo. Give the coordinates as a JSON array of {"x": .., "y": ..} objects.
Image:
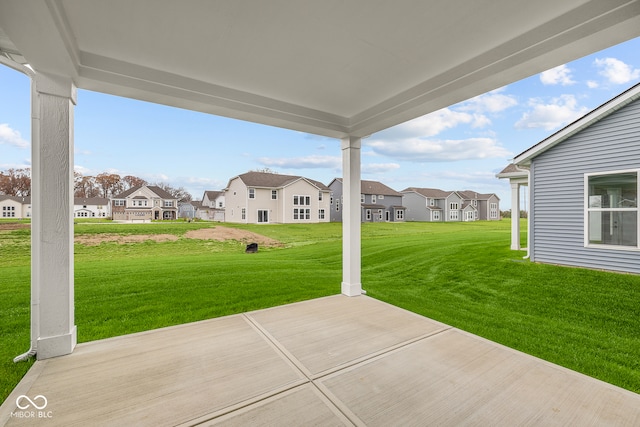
[
  {"x": 154, "y": 189},
  {"x": 585, "y": 121},
  {"x": 373, "y": 187},
  {"x": 471, "y": 195},
  {"x": 211, "y": 195},
  {"x": 19, "y": 199},
  {"x": 433, "y": 193},
  {"x": 274, "y": 180}
]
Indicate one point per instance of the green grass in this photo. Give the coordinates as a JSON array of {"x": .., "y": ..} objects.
[{"x": 462, "y": 274}]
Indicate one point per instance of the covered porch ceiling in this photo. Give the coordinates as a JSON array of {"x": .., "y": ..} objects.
[{"x": 334, "y": 67}]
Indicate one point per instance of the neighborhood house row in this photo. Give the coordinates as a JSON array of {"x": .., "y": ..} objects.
[{"x": 260, "y": 197}]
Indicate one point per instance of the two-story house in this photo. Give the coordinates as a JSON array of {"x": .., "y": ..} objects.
[
  {"x": 487, "y": 206},
  {"x": 260, "y": 197},
  {"x": 92, "y": 207},
  {"x": 212, "y": 207},
  {"x": 434, "y": 205},
  {"x": 18, "y": 207},
  {"x": 143, "y": 204},
  {"x": 378, "y": 202}
]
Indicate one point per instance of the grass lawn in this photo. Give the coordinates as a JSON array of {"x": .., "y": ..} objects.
[{"x": 462, "y": 274}]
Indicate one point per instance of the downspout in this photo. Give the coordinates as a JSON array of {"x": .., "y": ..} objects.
[
  {"x": 35, "y": 290},
  {"x": 529, "y": 217}
]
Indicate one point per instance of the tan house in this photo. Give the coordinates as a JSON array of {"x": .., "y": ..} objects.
[
  {"x": 259, "y": 197},
  {"x": 143, "y": 204}
]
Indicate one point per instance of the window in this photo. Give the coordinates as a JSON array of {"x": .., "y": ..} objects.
[
  {"x": 252, "y": 193},
  {"x": 373, "y": 198},
  {"x": 612, "y": 209},
  {"x": 399, "y": 215},
  {"x": 493, "y": 210},
  {"x": 220, "y": 205},
  {"x": 368, "y": 214},
  {"x": 118, "y": 202},
  {"x": 331, "y": 201},
  {"x": 362, "y": 198},
  {"x": 243, "y": 213},
  {"x": 432, "y": 202},
  {"x": 453, "y": 206},
  {"x": 301, "y": 213},
  {"x": 320, "y": 196},
  {"x": 167, "y": 203},
  {"x": 436, "y": 215},
  {"x": 263, "y": 216},
  {"x": 321, "y": 214},
  {"x": 302, "y": 200},
  {"x": 274, "y": 194},
  {"x": 453, "y": 215},
  {"x": 380, "y": 197},
  {"x": 474, "y": 203}
]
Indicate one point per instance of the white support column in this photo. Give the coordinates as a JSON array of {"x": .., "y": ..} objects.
[
  {"x": 515, "y": 216},
  {"x": 351, "y": 253},
  {"x": 52, "y": 215}
]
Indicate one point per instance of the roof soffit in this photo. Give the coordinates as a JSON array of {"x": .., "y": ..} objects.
[{"x": 349, "y": 70}]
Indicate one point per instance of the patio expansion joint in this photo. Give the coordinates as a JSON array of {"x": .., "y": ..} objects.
[{"x": 315, "y": 379}]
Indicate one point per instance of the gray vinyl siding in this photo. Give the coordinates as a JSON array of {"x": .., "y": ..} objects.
[
  {"x": 416, "y": 207},
  {"x": 557, "y": 191}
]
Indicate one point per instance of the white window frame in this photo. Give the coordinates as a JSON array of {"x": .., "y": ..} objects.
[
  {"x": 367, "y": 214},
  {"x": 252, "y": 193},
  {"x": 453, "y": 215},
  {"x": 454, "y": 206},
  {"x": 274, "y": 194},
  {"x": 587, "y": 210},
  {"x": 300, "y": 200},
  {"x": 436, "y": 216},
  {"x": 373, "y": 199},
  {"x": 493, "y": 210},
  {"x": 320, "y": 213},
  {"x": 400, "y": 215}
]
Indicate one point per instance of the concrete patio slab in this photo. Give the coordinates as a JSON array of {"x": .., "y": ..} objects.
[{"x": 330, "y": 361}]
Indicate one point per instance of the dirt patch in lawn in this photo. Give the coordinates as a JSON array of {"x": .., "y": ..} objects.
[
  {"x": 96, "y": 239},
  {"x": 13, "y": 226},
  {"x": 224, "y": 233}
]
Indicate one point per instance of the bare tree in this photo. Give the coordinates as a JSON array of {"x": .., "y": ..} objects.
[
  {"x": 131, "y": 181},
  {"x": 16, "y": 182},
  {"x": 179, "y": 193},
  {"x": 110, "y": 184}
]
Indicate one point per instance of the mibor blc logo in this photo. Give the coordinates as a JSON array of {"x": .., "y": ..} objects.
[{"x": 31, "y": 407}]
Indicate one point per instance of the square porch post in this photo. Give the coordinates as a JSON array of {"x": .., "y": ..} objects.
[
  {"x": 515, "y": 215},
  {"x": 351, "y": 253},
  {"x": 54, "y": 98}
]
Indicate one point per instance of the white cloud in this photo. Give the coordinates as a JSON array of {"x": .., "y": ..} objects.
[
  {"x": 421, "y": 150},
  {"x": 559, "y": 75},
  {"x": 12, "y": 137},
  {"x": 308, "y": 162},
  {"x": 491, "y": 102},
  {"x": 616, "y": 71},
  {"x": 372, "y": 168},
  {"x": 429, "y": 125},
  {"x": 559, "y": 112},
  {"x": 592, "y": 84}
]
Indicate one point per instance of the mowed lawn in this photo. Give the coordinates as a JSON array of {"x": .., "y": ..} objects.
[{"x": 462, "y": 274}]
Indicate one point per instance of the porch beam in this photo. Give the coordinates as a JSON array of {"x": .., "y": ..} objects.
[
  {"x": 351, "y": 225},
  {"x": 54, "y": 98}
]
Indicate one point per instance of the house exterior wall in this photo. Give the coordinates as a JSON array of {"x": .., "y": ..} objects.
[
  {"x": 416, "y": 205},
  {"x": 372, "y": 202},
  {"x": 15, "y": 207},
  {"x": 154, "y": 209},
  {"x": 557, "y": 188},
  {"x": 336, "y": 205},
  {"x": 279, "y": 210},
  {"x": 91, "y": 208}
]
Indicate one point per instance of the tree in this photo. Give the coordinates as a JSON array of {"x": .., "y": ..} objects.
[
  {"x": 110, "y": 184},
  {"x": 131, "y": 181},
  {"x": 16, "y": 182},
  {"x": 179, "y": 193}
]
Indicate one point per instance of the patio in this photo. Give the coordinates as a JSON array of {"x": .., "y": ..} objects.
[{"x": 330, "y": 361}]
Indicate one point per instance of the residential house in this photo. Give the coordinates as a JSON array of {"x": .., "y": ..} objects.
[
  {"x": 259, "y": 197},
  {"x": 18, "y": 207},
  {"x": 434, "y": 205},
  {"x": 143, "y": 204},
  {"x": 212, "y": 207},
  {"x": 188, "y": 210},
  {"x": 583, "y": 185},
  {"x": 92, "y": 207},
  {"x": 378, "y": 202},
  {"x": 486, "y": 206}
]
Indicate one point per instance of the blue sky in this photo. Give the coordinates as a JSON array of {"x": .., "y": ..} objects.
[{"x": 458, "y": 148}]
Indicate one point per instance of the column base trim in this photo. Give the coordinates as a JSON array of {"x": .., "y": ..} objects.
[
  {"x": 351, "y": 289},
  {"x": 59, "y": 345}
]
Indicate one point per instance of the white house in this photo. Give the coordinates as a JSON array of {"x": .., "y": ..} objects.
[
  {"x": 259, "y": 197},
  {"x": 212, "y": 206},
  {"x": 143, "y": 204},
  {"x": 93, "y": 207},
  {"x": 18, "y": 207}
]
